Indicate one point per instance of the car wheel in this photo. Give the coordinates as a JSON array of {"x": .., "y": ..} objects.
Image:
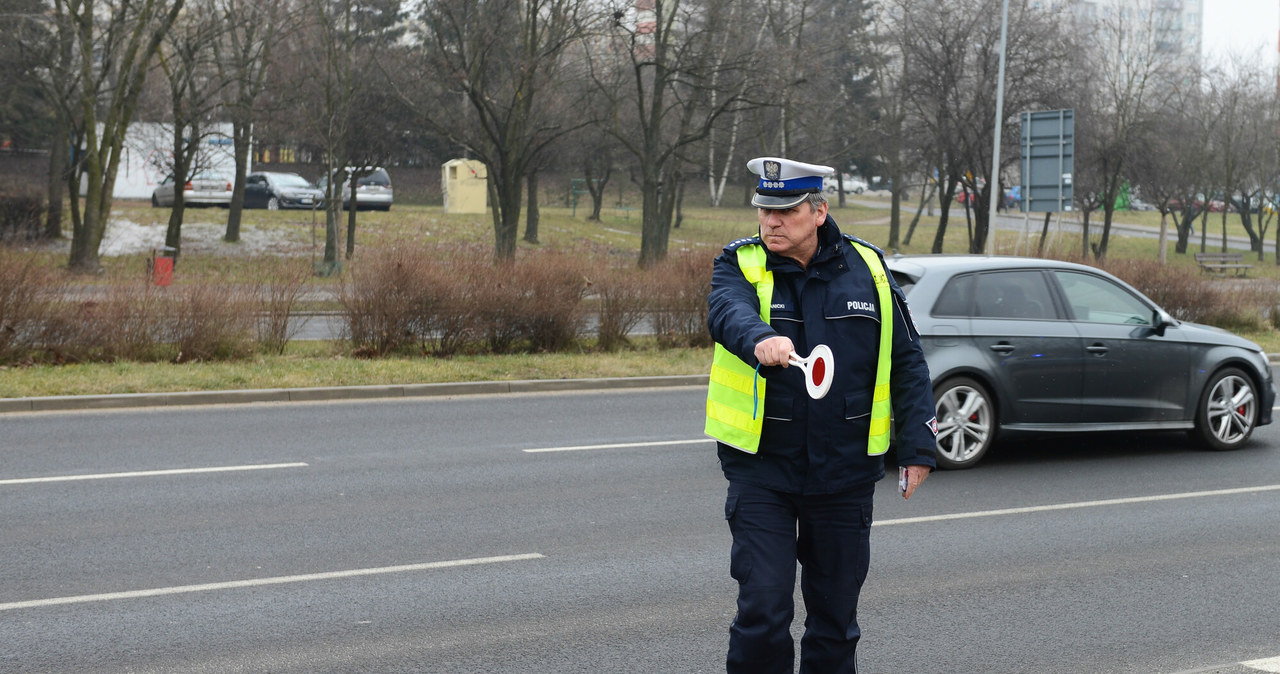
[
  {"x": 1228, "y": 410},
  {"x": 155, "y": 203},
  {"x": 273, "y": 204},
  {"x": 966, "y": 422}
]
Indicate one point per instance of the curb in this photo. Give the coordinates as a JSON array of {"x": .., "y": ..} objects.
[
  {"x": 282, "y": 395},
  {"x": 127, "y": 400}
]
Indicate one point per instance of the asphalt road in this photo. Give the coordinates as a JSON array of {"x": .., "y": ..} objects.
[{"x": 422, "y": 536}]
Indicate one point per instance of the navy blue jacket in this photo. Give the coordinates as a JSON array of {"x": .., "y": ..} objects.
[{"x": 820, "y": 446}]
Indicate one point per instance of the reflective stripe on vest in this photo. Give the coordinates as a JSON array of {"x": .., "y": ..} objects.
[
  {"x": 881, "y": 409},
  {"x": 735, "y": 394}
]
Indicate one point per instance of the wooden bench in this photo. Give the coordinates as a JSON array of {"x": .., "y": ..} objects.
[{"x": 1219, "y": 264}]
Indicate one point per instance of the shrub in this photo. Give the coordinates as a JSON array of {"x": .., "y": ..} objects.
[
  {"x": 21, "y": 216},
  {"x": 1190, "y": 296},
  {"x": 553, "y": 286},
  {"x": 678, "y": 305},
  {"x": 449, "y": 304},
  {"x": 276, "y": 297},
  {"x": 120, "y": 320},
  {"x": 205, "y": 322},
  {"x": 25, "y": 289},
  {"x": 621, "y": 295},
  {"x": 382, "y": 298}
]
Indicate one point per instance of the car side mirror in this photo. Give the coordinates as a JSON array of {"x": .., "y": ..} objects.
[{"x": 1160, "y": 321}]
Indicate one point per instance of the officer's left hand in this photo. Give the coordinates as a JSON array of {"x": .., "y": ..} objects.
[{"x": 915, "y": 477}]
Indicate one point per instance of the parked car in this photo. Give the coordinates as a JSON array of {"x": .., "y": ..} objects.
[
  {"x": 1136, "y": 204},
  {"x": 274, "y": 191},
  {"x": 202, "y": 189},
  {"x": 373, "y": 190},
  {"x": 1034, "y": 345},
  {"x": 852, "y": 184}
]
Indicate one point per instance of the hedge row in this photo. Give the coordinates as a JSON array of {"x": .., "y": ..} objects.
[{"x": 407, "y": 301}]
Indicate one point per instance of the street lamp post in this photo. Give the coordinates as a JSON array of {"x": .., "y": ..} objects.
[{"x": 994, "y": 191}]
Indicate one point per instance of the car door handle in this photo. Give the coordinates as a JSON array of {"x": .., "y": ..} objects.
[
  {"x": 1003, "y": 348},
  {"x": 1097, "y": 349}
]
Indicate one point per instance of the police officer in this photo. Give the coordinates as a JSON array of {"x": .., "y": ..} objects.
[{"x": 802, "y": 471}]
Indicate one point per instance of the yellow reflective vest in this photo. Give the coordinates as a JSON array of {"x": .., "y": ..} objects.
[{"x": 736, "y": 391}]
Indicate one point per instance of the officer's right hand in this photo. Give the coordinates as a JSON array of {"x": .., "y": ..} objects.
[{"x": 775, "y": 351}]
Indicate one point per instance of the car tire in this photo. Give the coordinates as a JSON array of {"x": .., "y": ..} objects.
[
  {"x": 273, "y": 204},
  {"x": 155, "y": 203},
  {"x": 967, "y": 422},
  {"x": 1227, "y": 411}
]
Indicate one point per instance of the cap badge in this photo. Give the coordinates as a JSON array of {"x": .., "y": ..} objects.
[{"x": 772, "y": 170}]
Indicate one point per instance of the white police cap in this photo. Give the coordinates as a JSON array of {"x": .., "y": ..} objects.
[{"x": 785, "y": 183}]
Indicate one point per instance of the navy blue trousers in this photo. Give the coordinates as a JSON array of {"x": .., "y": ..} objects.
[{"x": 829, "y": 535}]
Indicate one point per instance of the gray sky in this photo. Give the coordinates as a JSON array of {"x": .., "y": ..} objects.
[{"x": 1249, "y": 28}]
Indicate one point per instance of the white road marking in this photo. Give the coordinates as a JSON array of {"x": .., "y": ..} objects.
[
  {"x": 1079, "y": 504},
  {"x": 1265, "y": 664},
  {"x": 150, "y": 473},
  {"x": 579, "y": 448},
  {"x": 258, "y": 582}
]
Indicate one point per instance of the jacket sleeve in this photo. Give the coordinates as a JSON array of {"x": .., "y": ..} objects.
[
  {"x": 914, "y": 414},
  {"x": 733, "y": 315}
]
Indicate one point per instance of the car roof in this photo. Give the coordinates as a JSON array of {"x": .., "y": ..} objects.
[{"x": 919, "y": 265}]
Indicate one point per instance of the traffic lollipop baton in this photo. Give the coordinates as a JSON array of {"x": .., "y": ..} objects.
[{"x": 819, "y": 369}]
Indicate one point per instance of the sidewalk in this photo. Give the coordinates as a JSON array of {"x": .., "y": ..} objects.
[{"x": 280, "y": 395}]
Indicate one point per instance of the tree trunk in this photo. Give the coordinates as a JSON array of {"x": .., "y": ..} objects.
[
  {"x": 925, "y": 196},
  {"x": 351, "y": 215},
  {"x": 656, "y": 224},
  {"x": 1044, "y": 235},
  {"x": 56, "y": 184},
  {"x": 944, "y": 206},
  {"x": 240, "y": 140},
  {"x": 1084, "y": 233},
  {"x": 506, "y": 220},
  {"x": 531, "y": 214},
  {"x": 1183, "y": 221}
]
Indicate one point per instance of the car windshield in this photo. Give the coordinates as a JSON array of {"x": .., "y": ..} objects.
[
  {"x": 291, "y": 180},
  {"x": 378, "y": 177}
]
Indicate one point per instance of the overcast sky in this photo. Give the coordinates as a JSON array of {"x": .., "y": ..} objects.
[{"x": 1250, "y": 28}]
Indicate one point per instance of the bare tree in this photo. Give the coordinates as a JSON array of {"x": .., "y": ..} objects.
[
  {"x": 951, "y": 64},
  {"x": 1129, "y": 75},
  {"x": 1243, "y": 141},
  {"x": 111, "y": 43},
  {"x": 656, "y": 69},
  {"x": 488, "y": 79},
  {"x": 194, "y": 94},
  {"x": 34, "y": 112},
  {"x": 342, "y": 42},
  {"x": 243, "y": 57}
]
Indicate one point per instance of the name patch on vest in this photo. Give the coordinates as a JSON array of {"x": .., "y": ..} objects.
[{"x": 854, "y": 305}]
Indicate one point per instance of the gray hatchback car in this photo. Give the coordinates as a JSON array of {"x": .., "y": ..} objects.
[{"x": 1027, "y": 344}]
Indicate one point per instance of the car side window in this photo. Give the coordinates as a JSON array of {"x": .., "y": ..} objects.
[
  {"x": 955, "y": 298},
  {"x": 1013, "y": 294},
  {"x": 1099, "y": 300}
]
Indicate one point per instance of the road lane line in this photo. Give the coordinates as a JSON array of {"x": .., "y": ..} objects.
[
  {"x": 1265, "y": 664},
  {"x": 151, "y": 473},
  {"x": 258, "y": 582},
  {"x": 1077, "y": 504},
  {"x": 579, "y": 448}
]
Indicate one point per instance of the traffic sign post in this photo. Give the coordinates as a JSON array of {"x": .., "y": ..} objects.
[{"x": 1048, "y": 150}]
